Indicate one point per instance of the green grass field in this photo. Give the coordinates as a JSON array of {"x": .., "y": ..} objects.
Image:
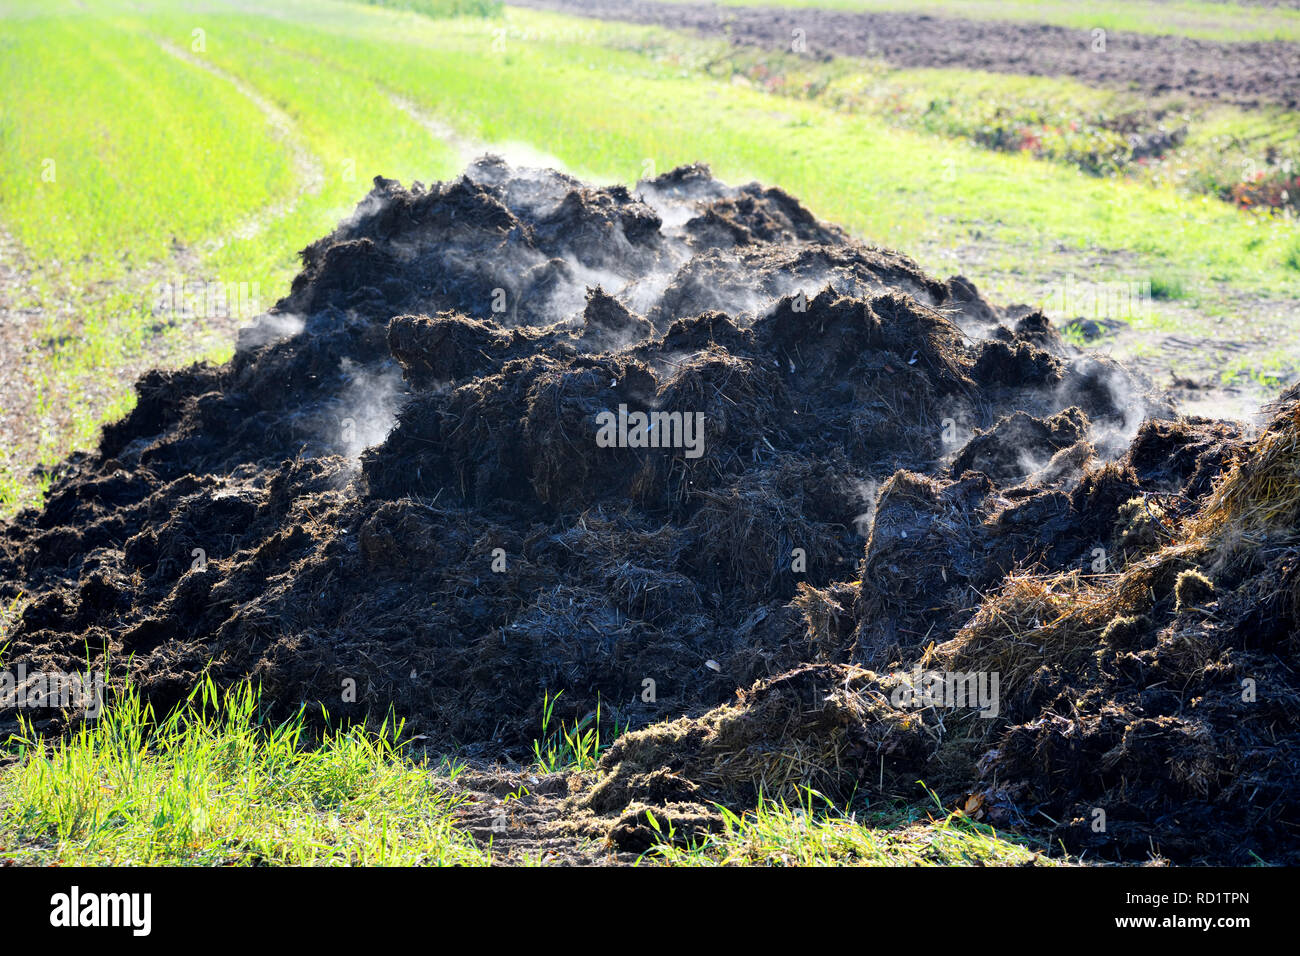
[
  {"x": 211, "y": 784},
  {"x": 208, "y": 785}
]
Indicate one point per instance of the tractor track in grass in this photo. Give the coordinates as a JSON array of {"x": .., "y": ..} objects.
[
  {"x": 468, "y": 147},
  {"x": 1250, "y": 74},
  {"x": 308, "y": 169},
  {"x": 465, "y": 146},
  {"x": 38, "y": 405},
  {"x": 526, "y": 817}
]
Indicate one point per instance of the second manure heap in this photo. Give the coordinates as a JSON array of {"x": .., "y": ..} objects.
[{"x": 396, "y": 485}]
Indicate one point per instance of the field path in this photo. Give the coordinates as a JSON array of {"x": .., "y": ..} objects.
[
  {"x": 525, "y": 818},
  {"x": 468, "y": 148},
  {"x": 20, "y": 416},
  {"x": 307, "y": 167},
  {"x": 1248, "y": 74},
  {"x": 40, "y": 405}
]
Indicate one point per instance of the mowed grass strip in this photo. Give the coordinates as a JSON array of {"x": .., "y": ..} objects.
[{"x": 211, "y": 784}]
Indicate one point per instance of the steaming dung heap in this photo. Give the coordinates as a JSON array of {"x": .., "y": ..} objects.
[{"x": 400, "y": 480}]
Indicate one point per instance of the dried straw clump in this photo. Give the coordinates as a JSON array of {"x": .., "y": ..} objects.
[
  {"x": 828, "y": 727},
  {"x": 1257, "y": 503},
  {"x": 1035, "y": 621}
]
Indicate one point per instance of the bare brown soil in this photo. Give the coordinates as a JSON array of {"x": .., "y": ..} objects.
[{"x": 1248, "y": 74}]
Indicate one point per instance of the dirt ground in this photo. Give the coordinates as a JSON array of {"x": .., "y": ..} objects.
[
  {"x": 1249, "y": 74},
  {"x": 690, "y": 455}
]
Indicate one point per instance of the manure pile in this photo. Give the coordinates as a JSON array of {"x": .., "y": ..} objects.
[{"x": 691, "y": 453}]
